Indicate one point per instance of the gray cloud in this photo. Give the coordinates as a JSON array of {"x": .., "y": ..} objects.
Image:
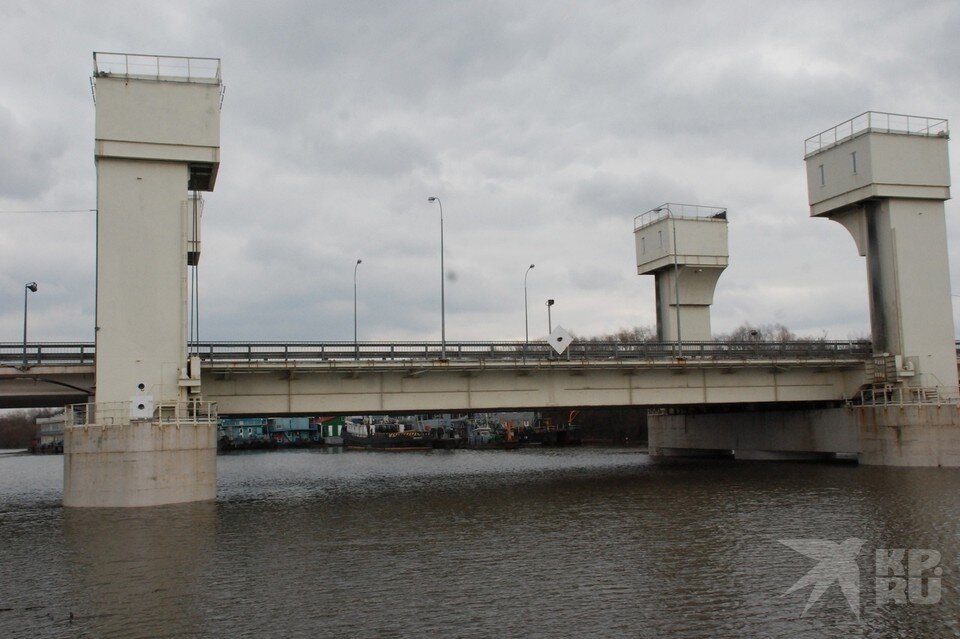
[{"x": 544, "y": 128}]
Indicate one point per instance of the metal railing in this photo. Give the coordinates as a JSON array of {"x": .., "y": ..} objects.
[
  {"x": 678, "y": 211},
  {"x": 157, "y": 67},
  {"x": 192, "y": 412},
  {"x": 211, "y": 353},
  {"x": 896, "y": 395},
  {"x": 484, "y": 351},
  {"x": 879, "y": 122},
  {"x": 47, "y": 353}
]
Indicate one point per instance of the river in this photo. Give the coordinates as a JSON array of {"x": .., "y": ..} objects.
[{"x": 587, "y": 542}]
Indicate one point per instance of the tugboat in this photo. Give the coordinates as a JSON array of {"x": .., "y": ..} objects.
[
  {"x": 445, "y": 432},
  {"x": 491, "y": 435},
  {"x": 550, "y": 434}
]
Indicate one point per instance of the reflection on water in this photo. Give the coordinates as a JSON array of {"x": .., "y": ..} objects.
[
  {"x": 562, "y": 543},
  {"x": 160, "y": 554}
]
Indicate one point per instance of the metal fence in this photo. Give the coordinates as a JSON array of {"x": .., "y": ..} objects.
[
  {"x": 157, "y": 67},
  {"x": 878, "y": 122},
  {"x": 117, "y": 413},
  {"x": 318, "y": 351},
  {"x": 75, "y": 353},
  {"x": 46, "y": 353},
  {"x": 678, "y": 211},
  {"x": 896, "y": 395}
]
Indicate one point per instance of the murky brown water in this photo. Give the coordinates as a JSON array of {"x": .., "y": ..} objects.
[{"x": 537, "y": 543}]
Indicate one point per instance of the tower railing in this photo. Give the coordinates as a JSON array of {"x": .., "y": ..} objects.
[
  {"x": 157, "y": 67},
  {"x": 878, "y": 122},
  {"x": 678, "y": 211}
]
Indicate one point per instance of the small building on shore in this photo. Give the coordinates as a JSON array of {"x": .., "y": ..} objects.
[{"x": 51, "y": 434}]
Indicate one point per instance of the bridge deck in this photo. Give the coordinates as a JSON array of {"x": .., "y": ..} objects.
[{"x": 318, "y": 377}]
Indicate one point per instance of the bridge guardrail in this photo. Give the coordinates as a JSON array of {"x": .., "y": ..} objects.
[
  {"x": 47, "y": 353},
  {"x": 319, "y": 351},
  {"x": 78, "y": 353}
]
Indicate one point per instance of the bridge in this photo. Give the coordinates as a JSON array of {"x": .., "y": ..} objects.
[
  {"x": 281, "y": 378},
  {"x": 148, "y": 434}
]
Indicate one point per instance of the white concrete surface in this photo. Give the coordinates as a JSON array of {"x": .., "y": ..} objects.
[
  {"x": 686, "y": 256},
  {"x": 917, "y": 435},
  {"x": 248, "y": 391},
  {"x": 888, "y": 189},
  {"x": 156, "y": 137},
  {"x": 143, "y": 463}
]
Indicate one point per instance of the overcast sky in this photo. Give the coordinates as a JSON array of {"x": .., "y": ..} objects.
[{"x": 544, "y": 128}]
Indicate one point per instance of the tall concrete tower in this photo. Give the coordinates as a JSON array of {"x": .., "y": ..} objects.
[
  {"x": 885, "y": 177},
  {"x": 148, "y": 439},
  {"x": 684, "y": 247}
]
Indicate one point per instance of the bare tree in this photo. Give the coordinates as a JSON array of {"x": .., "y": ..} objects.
[
  {"x": 19, "y": 428},
  {"x": 747, "y": 332},
  {"x": 624, "y": 336}
]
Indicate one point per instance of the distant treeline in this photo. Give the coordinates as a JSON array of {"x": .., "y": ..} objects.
[
  {"x": 17, "y": 429},
  {"x": 746, "y": 332}
]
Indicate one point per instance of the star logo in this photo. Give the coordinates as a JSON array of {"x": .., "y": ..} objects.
[{"x": 836, "y": 563}]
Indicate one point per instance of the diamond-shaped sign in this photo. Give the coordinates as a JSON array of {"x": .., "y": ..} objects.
[{"x": 559, "y": 340}]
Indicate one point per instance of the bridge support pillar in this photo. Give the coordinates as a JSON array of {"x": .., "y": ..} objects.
[
  {"x": 903, "y": 435},
  {"x": 148, "y": 439}
]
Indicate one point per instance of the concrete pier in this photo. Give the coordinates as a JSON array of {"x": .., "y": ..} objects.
[
  {"x": 148, "y": 439},
  {"x": 905, "y": 435},
  {"x": 143, "y": 462}
]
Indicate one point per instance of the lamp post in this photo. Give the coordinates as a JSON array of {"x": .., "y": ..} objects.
[
  {"x": 356, "y": 346},
  {"x": 443, "y": 311},
  {"x": 526, "y": 317},
  {"x": 29, "y": 287},
  {"x": 549, "y": 319}
]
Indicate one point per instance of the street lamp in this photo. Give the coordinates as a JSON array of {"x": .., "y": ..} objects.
[
  {"x": 29, "y": 287},
  {"x": 549, "y": 320},
  {"x": 526, "y": 319},
  {"x": 443, "y": 312},
  {"x": 356, "y": 346}
]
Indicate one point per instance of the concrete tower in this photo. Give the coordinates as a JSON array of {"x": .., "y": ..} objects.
[
  {"x": 885, "y": 178},
  {"x": 148, "y": 439},
  {"x": 685, "y": 248}
]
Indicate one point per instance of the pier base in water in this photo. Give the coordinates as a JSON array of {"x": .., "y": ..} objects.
[
  {"x": 894, "y": 435},
  {"x": 142, "y": 463}
]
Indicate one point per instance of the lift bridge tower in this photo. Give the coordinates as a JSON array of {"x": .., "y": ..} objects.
[
  {"x": 684, "y": 246},
  {"x": 885, "y": 177},
  {"x": 148, "y": 439}
]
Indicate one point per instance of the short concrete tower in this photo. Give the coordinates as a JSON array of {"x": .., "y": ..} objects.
[
  {"x": 885, "y": 178},
  {"x": 148, "y": 439},
  {"x": 684, "y": 247}
]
